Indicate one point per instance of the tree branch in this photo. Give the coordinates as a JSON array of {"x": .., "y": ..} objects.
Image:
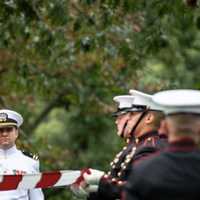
[{"x": 56, "y": 102}]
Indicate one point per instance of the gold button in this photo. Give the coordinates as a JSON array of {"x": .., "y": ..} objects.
[
  {"x": 118, "y": 155},
  {"x": 136, "y": 140},
  {"x": 119, "y": 174},
  {"x": 116, "y": 160},
  {"x": 124, "y": 148},
  {"x": 113, "y": 166},
  {"x": 127, "y": 160},
  {"x": 132, "y": 152},
  {"x": 122, "y": 165},
  {"x": 120, "y": 182}
]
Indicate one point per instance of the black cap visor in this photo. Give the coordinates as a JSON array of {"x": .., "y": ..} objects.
[{"x": 134, "y": 108}]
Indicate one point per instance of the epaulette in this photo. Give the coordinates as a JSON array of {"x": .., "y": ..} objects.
[{"x": 33, "y": 156}]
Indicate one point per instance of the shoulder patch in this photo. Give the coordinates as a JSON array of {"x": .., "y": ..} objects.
[{"x": 33, "y": 156}]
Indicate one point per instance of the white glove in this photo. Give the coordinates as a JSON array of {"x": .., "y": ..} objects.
[
  {"x": 87, "y": 182},
  {"x": 83, "y": 191},
  {"x": 93, "y": 176},
  {"x": 79, "y": 191}
]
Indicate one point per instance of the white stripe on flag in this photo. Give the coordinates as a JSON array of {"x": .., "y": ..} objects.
[
  {"x": 68, "y": 177},
  {"x": 29, "y": 181},
  {"x": 1, "y": 178}
]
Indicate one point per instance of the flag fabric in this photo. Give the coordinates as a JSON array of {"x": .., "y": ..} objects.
[{"x": 39, "y": 180}]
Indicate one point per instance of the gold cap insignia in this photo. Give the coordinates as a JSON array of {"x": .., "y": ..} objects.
[{"x": 3, "y": 117}]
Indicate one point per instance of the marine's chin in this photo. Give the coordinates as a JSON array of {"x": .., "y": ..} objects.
[{"x": 5, "y": 145}]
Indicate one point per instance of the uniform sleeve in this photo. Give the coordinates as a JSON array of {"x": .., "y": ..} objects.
[
  {"x": 108, "y": 190},
  {"x": 131, "y": 190},
  {"x": 36, "y": 194},
  {"x": 129, "y": 196},
  {"x": 112, "y": 190}
]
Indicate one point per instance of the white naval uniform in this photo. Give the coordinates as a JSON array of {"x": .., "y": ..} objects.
[{"x": 13, "y": 161}]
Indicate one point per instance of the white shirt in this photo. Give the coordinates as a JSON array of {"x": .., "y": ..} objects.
[{"x": 13, "y": 161}]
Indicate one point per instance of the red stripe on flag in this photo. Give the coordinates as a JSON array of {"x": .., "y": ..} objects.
[
  {"x": 10, "y": 182},
  {"x": 48, "y": 179}
]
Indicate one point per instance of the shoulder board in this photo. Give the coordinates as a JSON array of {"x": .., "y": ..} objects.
[{"x": 33, "y": 156}]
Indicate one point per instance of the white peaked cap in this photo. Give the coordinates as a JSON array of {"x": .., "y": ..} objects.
[
  {"x": 141, "y": 98},
  {"x": 178, "y": 101},
  {"x": 10, "y": 118},
  {"x": 124, "y": 101}
]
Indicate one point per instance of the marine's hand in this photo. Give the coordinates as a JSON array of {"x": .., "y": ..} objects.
[
  {"x": 78, "y": 190},
  {"x": 87, "y": 182},
  {"x": 93, "y": 177}
]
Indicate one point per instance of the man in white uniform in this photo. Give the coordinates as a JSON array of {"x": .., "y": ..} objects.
[{"x": 14, "y": 161}]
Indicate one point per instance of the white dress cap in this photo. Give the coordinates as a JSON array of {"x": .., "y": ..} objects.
[
  {"x": 124, "y": 106},
  {"x": 144, "y": 99},
  {"x": 178, "y": 101},
  {"x": 124, "y": 101},
  {"x": 10, "y": 118}
]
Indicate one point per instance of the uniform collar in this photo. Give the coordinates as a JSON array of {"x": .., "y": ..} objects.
[
  {"x": 183, "y": 144},
  {"x": 9, "y": 151},
  {"x": 145, "y": 136}
]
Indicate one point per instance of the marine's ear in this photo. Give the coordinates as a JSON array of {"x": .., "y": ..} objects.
[
  {"x": 149, "y": 118},
  {"x": 16, "y": 133}
]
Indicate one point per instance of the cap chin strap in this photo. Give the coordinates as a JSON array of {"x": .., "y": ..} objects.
[
  {"x": 137, "y": 123},
  {"x": 122, "y": 135}
]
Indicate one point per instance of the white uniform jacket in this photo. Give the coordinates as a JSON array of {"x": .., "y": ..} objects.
[{"x": 13, "y": 161}]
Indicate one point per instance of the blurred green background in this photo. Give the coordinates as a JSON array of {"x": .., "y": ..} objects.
[{"x": 62, "y": 62}]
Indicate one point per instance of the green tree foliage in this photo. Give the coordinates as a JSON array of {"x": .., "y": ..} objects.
[{"x": 62, "y": 61}]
